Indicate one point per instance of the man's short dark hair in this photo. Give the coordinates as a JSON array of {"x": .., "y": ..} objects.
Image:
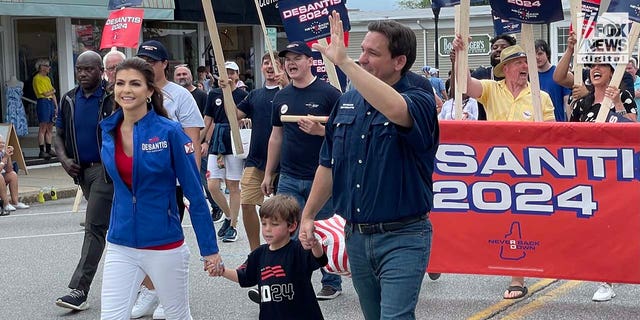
[
  {"x": 509, "y": 39},
  {"x": 544, "y": 46},
  {"x": 402, "y": 40},
  {"x": 201, "y": 69}
]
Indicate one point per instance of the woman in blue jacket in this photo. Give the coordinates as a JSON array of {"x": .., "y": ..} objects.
[{"x": 144, "y": 152}]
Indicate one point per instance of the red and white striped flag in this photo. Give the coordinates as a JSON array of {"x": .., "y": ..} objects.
[{"x": 330, "y": 233}]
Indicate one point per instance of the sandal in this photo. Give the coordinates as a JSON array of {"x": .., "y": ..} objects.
[{"x": 522, "y": 289}]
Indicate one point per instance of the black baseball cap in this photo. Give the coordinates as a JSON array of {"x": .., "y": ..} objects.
[
  {"x": 298, "y": 47},
  {"x": 154, "y": 50}
]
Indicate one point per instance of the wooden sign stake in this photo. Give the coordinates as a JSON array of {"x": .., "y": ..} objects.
[
  {"x": 462, "y": 58},
  {"x": 229, "y": 104},
  {"x": 534, "y": 81},
  {"x": 267, "y": 40},
  {"x": 330, "y": 68}
]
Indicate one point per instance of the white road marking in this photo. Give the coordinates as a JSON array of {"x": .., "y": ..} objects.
[{"x": 42, "y": 235}]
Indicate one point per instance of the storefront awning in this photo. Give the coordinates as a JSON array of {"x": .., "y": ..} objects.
[
  {"x": 232, "y": 12},
  {"x": 153, "y": 9}
]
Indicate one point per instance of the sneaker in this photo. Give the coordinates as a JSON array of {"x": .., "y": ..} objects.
[
  {"x": 434, "y": 276},
  {"x": 145, "y": 304},
  {"x": 231, "y": 235},
  {"x": 21, "y": 205},
  {"x": 159, "y": 313},
  {"x": 223, "y": 229},
  {"x": 254, "y": 295},
  {"x": 604, "y": 292},
  {"x": 52, "y": 153},
  {"x": 76, "y": 300},
  {"x": 217, "y": 215},
  {"x": 9, "y": 207},
  {"x": 327, "y": 293}
]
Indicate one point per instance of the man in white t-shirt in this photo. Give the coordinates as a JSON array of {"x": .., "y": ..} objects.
[{"x": 182, "y": 108}]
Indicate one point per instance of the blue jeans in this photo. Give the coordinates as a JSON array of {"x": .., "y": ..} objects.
[
  {"x": 300, "y": 189},
  {"x": 387, "y": 269}
]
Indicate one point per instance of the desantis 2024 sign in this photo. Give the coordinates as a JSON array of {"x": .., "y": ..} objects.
[{"x": 538, "y": 199}]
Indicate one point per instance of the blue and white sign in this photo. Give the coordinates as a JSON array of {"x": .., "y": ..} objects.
[
  {"x": 528, "y": 11},
  {"x": 503, "y": 26},
  {"x": 306, "y": 20}
]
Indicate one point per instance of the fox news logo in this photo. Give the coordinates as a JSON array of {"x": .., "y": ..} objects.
[{"x": 609, "y": 43}]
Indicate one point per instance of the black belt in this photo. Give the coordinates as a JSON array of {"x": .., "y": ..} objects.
[
  {"x": 371, "y": 228},
  {"x": 90, "y": 164}
]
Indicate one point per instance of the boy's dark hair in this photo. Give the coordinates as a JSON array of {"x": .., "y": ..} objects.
[
  {"x": 281, "y": 207},
  {"x": 544, "y": 46},
  {"x": 402, "y": 40},
  {"x": 509, "y": 39}
]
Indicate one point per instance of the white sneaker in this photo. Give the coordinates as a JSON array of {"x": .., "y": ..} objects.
[
  {"x": 21, "y": 205},
  {"x": 604, "y": 292},
  {"x": 145, "y": 304},
  {"x": 159, "y": 313},
  {"x": 9, "y": 207}
]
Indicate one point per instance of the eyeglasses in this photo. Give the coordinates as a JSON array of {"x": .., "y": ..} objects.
[{"x": 112, "y": 68}]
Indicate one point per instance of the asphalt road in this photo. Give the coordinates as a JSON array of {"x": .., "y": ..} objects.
[{"x": 39, "y": 249}]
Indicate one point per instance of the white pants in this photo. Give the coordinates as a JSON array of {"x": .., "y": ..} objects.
[
  {"x": 232, "y": 168},
  {"x": 124, "y": 269}
]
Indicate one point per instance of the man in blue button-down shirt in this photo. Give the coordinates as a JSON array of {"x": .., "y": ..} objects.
[{"x": 377, "y": 162}]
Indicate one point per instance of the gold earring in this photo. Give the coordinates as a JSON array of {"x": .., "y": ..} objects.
[{"x": 148, "y": 99}]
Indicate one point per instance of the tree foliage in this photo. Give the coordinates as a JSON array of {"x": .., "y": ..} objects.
[{"x": 414, "y": 4}]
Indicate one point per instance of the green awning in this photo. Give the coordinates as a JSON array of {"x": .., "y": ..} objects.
[{"x": 153, "y": 9}]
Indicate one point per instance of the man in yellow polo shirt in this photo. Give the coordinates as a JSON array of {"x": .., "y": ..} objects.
[
  {"x": 46, "y": 107},
  {"x": 509, "y": 99}
]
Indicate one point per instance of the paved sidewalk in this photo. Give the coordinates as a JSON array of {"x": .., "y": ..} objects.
[{"x": 49, "y": 175}]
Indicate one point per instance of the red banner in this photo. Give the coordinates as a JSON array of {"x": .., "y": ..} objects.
[
  {"x": 547, "y": 200},
  {"x": 122, "y": 28}
]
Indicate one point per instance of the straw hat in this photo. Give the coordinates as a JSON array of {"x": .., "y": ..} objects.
[{"x": 508, "y": 54}]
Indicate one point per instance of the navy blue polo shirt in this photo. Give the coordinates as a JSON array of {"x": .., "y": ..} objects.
[
  {"x": 258, "y": 107},
  {"x": 381, "y": 172},
  {"x": 299, "y": 153},
  {"x": 221, "y": 137},
  {"x": 85, "y": 118}
]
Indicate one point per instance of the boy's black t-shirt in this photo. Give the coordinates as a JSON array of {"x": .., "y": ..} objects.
[{"x": 284, "y": 279}]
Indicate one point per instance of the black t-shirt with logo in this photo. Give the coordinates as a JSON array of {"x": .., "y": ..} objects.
[
  {"x": 300, "y": 151},
  {"x": 283, "y": 277}
]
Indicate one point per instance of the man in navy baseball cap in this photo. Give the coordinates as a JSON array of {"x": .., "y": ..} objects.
[
  {"x": 154, "y": 50},
  {"x": 298, "y": 47}
]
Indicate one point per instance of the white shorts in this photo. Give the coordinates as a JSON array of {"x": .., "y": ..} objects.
[{"x": 232, "y": 168}]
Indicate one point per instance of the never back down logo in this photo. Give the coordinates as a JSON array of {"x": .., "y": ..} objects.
[{"x": 513, "y": 246}]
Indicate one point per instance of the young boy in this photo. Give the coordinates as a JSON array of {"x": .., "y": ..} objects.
[{"x": 281, "y": 268}]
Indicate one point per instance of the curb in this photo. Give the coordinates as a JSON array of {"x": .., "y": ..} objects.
[{"x": 32, "y": 197}]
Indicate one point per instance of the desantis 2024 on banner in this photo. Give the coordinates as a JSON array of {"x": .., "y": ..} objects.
[{"x": 550, "y": 200}]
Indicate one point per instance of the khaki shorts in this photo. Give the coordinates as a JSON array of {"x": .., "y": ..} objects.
[{"x": 250, "y": 192}]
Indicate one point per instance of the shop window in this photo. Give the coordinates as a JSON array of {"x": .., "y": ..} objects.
[
  {"x": 36, "y": 39},
  {"x": 86, "y": 35},
  {"x": 180, "y": 39}
]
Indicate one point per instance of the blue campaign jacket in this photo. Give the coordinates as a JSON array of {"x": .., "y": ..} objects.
[{"x": 147, "y": 214}]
